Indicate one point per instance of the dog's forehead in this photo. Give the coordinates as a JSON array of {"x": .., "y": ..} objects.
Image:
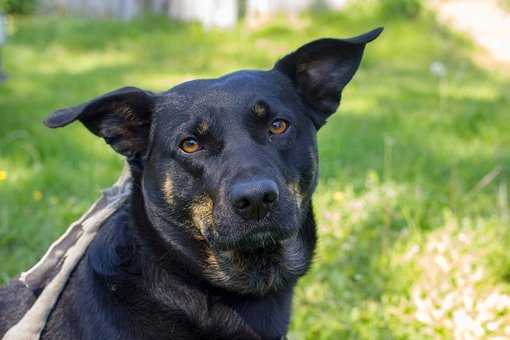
[{"x": 231, "y": 93}]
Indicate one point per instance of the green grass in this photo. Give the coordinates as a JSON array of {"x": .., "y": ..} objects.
[
  {"x": 411, "y": 226},
  {"x": 505, "y": 4}
]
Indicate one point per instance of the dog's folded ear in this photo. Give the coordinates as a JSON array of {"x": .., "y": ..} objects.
[
  {"x": 322, "y": 68},
  {"x": 122, "y": 117}
]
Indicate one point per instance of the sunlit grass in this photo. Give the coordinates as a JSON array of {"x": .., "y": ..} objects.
[{"x": 411, "y": 156}]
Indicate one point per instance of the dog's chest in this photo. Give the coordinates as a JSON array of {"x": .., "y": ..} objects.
[{"x": 268, "y": 316}]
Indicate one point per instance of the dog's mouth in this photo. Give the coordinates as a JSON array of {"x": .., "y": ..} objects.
[
  {"x": 229, "y": 231},
  {"x": 262, "y": 237}
]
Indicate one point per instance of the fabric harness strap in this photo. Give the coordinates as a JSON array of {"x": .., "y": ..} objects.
[{"x": 64, "y": 254}]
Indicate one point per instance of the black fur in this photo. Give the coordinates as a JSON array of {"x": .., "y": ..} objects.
[{"x": 182, "y": 259}]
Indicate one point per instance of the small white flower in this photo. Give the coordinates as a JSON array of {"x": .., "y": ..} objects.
[{"x": 438, "y": 69}]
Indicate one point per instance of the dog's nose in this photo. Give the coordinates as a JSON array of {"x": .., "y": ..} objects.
[{"x": 252, "y": 200}]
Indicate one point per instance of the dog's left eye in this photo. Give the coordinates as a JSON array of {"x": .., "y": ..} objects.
[
  {"x": 278, "y": 126},
  {"x": 190, "y": 145}
]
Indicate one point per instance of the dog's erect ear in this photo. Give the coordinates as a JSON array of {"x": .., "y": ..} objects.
[
  {"x": 322, "y": 68},
  {"x": 122, "y": 117}
]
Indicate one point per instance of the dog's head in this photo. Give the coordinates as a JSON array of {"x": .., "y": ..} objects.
[{"x": 231, "y": 163}]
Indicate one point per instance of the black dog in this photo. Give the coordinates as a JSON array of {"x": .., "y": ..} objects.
[{"x": 219, "y": 226}]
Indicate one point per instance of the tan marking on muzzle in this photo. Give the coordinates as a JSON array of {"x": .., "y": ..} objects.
[
  {"x": 296, "y": 192},
  {"x": 168, "y": 189},
  {"x": 202, "y": 212},
  {"x": 214, "y": 270}
]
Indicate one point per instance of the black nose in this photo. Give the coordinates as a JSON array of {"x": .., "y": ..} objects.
[{"x": 252, "y": 200}]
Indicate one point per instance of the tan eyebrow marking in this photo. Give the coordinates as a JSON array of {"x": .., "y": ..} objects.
[
  {"x": 202, "y": 127},
  {"x": 259, "y": 109}
]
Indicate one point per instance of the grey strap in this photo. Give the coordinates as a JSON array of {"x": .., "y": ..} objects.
[{"x": 65, "y": 253}]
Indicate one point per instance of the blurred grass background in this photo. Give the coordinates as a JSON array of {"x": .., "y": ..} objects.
[{"x": 413, "y": 199}]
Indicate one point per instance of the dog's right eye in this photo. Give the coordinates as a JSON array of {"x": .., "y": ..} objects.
[{"x": 189, "y": 145}]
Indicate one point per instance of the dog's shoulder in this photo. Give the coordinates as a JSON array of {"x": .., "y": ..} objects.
[
  {"x": 15, "y": 300},
  {"x": 77, "y": 312}
]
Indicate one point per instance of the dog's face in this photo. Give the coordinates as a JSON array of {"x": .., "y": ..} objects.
[
  {"x": 229, "y": 165},
  {"x": 235, "y": 157}
]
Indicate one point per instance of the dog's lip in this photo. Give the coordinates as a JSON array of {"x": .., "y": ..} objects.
[
  {"x": 260, "y": 238},
  {"x": 254, "y": 240}
]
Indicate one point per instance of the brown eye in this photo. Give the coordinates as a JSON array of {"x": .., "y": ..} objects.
[
  {"x": 189, "y": 145},
  {"x": 278, "y": 126}
]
